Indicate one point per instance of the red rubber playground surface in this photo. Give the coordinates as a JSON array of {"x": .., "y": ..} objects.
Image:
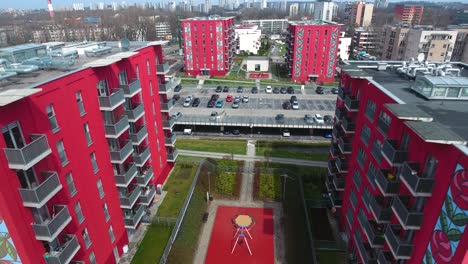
[{"x": 222, "y": 241}]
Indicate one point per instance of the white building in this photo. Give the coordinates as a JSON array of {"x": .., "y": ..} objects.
[
  {"x": 325, "y": 10},
  {"x": 343, "y": 47},
  {"x": 78, "y": 6},
  {"x": 293, "y": 9},
  {"x": 436, "y": 45},
  {"x": 248, "y": 38},
  {"x": 163, "y": 31},
  {"x": 257, "y": 64},
  {"x": 264, "y": 4}
]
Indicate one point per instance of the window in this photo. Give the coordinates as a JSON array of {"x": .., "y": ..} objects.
[
  {"x": 383, "y": 123},
  {"x": 376, "y": 150},
  {"x": 365, "y": 135},
  {"x": 100, "y": 188},
  {"x": 52, "y": 118},
  {"x": 148, "y": 67},
  {"x": 137, "y": 72},
  {"x": 123, "y": 80},
  {"x": 116, "y": 255},
  {"x": 71, "y": 184},
  {"x": 357, "y": 179},
  {"x": 87, "y": 134},
  {"x": 106, "y": 212},
  {"x": 154, "y": 108},
  {"x": 366, "y": 196},
  {"x": 86, "y": 238},
  {"x": 92, "y": 258},
  {"x": 430, "y": 167},
  {"x": 361, "y": 158},
  {"x": 111, "y": 234},
  {"x": 79, "y": 101},
  {"x": 371, "y": 171},
  {"x": 353, "y": 199},
  {"x": 92, "y": 157},
  {"x": 151, "y": 88},
  {"x": 79, "y": 212},
  {"x": 62, "y": 153},
  {"x": 349, "y": 217}
]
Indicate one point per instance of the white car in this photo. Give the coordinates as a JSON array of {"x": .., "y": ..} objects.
[
  {"x": 188, "y": 101},
  {"x": 286, "y": 133},
  {"x": 318, "y": 119},
  {"x": 295, "y": 105},
  {"x": 245, "y": 99},
  {"x": 269, "y": 89}
]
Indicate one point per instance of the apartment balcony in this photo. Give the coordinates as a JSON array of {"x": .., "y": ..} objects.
[
  {"x": 120, "y": 154},
  {"x": 382, "y": 214},
  {"x": 139, "y": 136},
  {"x": 384, "y": 257},
  {"x": 142, "y": 157},
  {"x": 147, "y": 196},
  {"x": 144, "y": 179},
  {"x": 128, "y": 199},
  {"x": 337, "y": 132},
  {"x": 169, "y": 123},
  {"x": 374, "y": 232},
  {"x": 383, "y": 127},
  {"x": 334, "y": 151},
  {"x": 336, "y": 201},
  {"x": 351, "y": 103},
  {"x": 112, "y": 101},
  {"x": 340, "y": 113},
  {"x": 338, "y": 182},
  {"x": 136, "y": 113},
  {"x": 392, "y": 154},
  {"x": 341, "y": 93},
  {"x": 114, "y": 130},
  {"x": 418, "y": 186},
  {"x": 367, "y": 254},
  {"x": 162, "y": 69},
  {"x": 169, "y": 85},
  {"x": 166, "y": 107},
  {"x": 51, "y": 228},
  {"x": 124, "y": 179},
  {"x": 65, "y": 252},
  {"x": 132, "y": 88},
  {"x": 332, "y": 170},
  {"x": 388, "y": 184},
  {"x": 399, "y": 249},
  {"x": 169, "y": 140},
  {"x": 29, "y": 155},
  {"x": 172, "y": 155},
  {"x": 40, "y": 194},
  {"x": 345, "y": 147},
  {"x": 131, "y": 221},
  {"x": 409, "y": 218},
  {"x": 348, "y": 125},
  {"x": 342, "y": 165}
]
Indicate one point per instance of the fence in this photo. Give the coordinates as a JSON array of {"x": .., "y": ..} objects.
[{"x": 309, "y": 231}]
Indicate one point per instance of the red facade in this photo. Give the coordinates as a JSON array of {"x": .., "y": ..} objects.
[
  {"x": 313, "y": 51},
  {"x": 27, "y": 215},
  {"x": 411, "y": 14},
  {"x": 209, "y": 45},
  {"x": 370, "y": 184}
]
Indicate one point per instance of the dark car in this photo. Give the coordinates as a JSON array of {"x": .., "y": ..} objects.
[
  {"x": 276, "y": 90},
  {"x": 178, "y": 88},
  {"x": 328, "y": 118},
  {"x": 215, "y": 97},
  {"x": 279, "y": 118},
  {"x": 219, "y": 89},
  {"x": 283, "y": 90},
  {"x": 196, "y": 102},
  {"x": 236, "y": 132},
  {"x": 290, "y": 90},
  {"x": 225, "y": 89},
  {"x": 240, "y": 89},
  {"x": 254, "y": 90},
  {"x": 175, "y": 97},
  {"x": 226, "y": 132},
  {"x": 334, "y": 90},
  {"x": 211, "y": 103},
  {"x": 287, "y": 105},
  {"x": 293, "y": 99},
  {"x": 319, "y": 90}
]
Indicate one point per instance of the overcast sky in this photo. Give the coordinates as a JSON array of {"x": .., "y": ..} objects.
[{"x": 25, "y": 4}]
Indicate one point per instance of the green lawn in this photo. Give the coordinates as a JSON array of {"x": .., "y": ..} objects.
[
  {"x": 209, "y": 145},
  {"x": 330, "y": 257},
  {"x": 292, "y": 150},
  {"x": 153, "y": 244},
  {"x": 313, "y": 183}
]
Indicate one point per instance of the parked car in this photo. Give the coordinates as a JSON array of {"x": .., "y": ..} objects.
[
  {"x": 235, "y": 105},
  {"x": 237, "y": 98},
  {"x": 286, "y": 133},
  {"x": 196, "y": 102},
  {"x": 240, "y": 89},
  {"x": 334, "y": 90},
  {"x": 214, "y": 116},
  {"x": 177, "y": 115},
  {"x": 276, "y": 90},
  {"x": 178, "y": 88},
  {"x": 254, "y": 90},
  {"x": 283, "y": 90},
  {"x": 328, "y": 118},
  {"x": 219, "y": 103},
  {"x": 293, "y": 99},
  {"x": 215, "y": 97},
  {"x": 225, "y": 89},
  {"x": 226, "y": 132},
  {"x": 219, "y": 89},
  {"x": 229, "y": 98},
  {"x": 286, "y": 105},
  {"x": 295, "y": 105},
  {"x": 268, "y": 89},
  {"x": 279, "y": 118},
  {"x": 211, "y": 103},
  {"x": 245, "y": 99},
  {"x": 290, "y": 90},
  {"x": 188, "y": 101},
  {"x": 236, "y": 132},
  {"x": 318, "y": 119},
  {"x": 175, "y": 97},
  {"x": 319, "y": 90},
  {"x": 309, "y": 119}
]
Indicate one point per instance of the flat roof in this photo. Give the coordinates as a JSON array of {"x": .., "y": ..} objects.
[
  {"x": 262, "y": 58},
  {"x": 206, "y": 18},
  {"x": 313, "y": 22},
  {"x": 13, "y": 49}
]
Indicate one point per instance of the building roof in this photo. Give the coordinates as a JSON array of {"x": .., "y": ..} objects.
[
  {"x": 206, "y": 18},
  {"x": 313, "y": 23},
  {"x": 258, "y": 58}
]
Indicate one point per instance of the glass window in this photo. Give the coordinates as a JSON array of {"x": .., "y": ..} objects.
[
  {"x": 62, "y": 153},
  {"x": 100, "y": 188},
  {"x": 357, "y": 179},
  {"x": 365, "y": 135},
  {"x": 87, "y": 134},
  {"x": 52, "y": 118},
  {"x": 86, "y": 238},
  {"x": 94, "y": 162},
  {"x": 453, "y": 92},
  {"x": 106, "y": 211},
  {"x": 151, "y": 88},
  {"x": 370, "y": 110},
  {"x": 79, "y": 101},
  {"x": 371, "y": 171},
  {"x": 376, "y": 150},
  {"x": 353, "y": 199},
  {"x": 79, "y": 212},
  {"x": 71, "y": 184},
  {"x": 361, "y": 158},
  {"x": 464, "y": 92},
  {"x": 137, "y": 72},
  {"x": 148, "y": 67},
  {"x": 92, "y": 258},
  {"x": 111, "y": 234},
  {"x": 440, "y": 91}
]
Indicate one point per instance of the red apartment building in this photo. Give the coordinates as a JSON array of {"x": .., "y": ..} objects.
[
  {"x": 82, "y": 153},
  {"x": 312, "y": 50},
  {"x": 209, "y": 45},
  {"x": 398, "y": 165},
  {"x": 409, "y": 14}
]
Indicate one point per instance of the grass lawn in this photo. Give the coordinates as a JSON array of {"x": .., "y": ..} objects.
[
  {"x": 313, "y": 183},
  {"x": 293, "y": 150},
  {"x": 153, "y": 244},
  {"x": 228, "y": 178},
  {"x": 330, "y": 257},
  {"x": 222, "y": 146}
]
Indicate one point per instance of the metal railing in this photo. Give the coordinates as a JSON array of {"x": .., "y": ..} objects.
[
  {"x": 120, "y": 155},
  {"x": 110, "y": 102},
  {"x": 387, "y": 186},
  {"x": 332, "y": 167},
  {"x": 25, "y": 157},
  {"x": 146, "y": 198},
  {"x": 162, "y": 68},
  {"x": 133, "y": 220},
  {"x": 348, "y": 125},
  {"x": 345, "y": 147},
  {"x": 143, "y": 180},
  {"x": 142, "y": 157},
  {"x": 170, "y": 140},
  {"x": 339, "y": 113},
  {"x": 48, "y": 230},
  {"x": 401, "y": 250},
  {"x": 341, "y": 93},
  {"x": 65, "y": 253},
  {"x": 384, "y": 257},
  {"x": 382, "y": 127},
  {"x": 338, "y": 182},
  {"x": 408, "y": 218},
  {"x": 351, "y": 103},
  {"x": 169, "y": 85},
  {"x": 334, "y": 150},
  {"x": 365, "y": 251},
  {"x": 342, "y": 165},
  {"x": 381, "y": 214},
  {"x": 139, "y": 136},
  {"x": 128, "y": 200},
  {"x": 167, "y": 106},
  {"x": 116, "y": 129},
  {"x": 173, "y": 155},
  {"x": 132, "y": 88},
  {"x": 40, "y": 194},
  {"x": 418, "y": 186},
  {"x": 135, "y": 113},
  {"x": 168, "y": 124},
  {"x": 392, "y": 154},
  {"x": 123, "y": 180},
  {"x": 374, "y": 236}
]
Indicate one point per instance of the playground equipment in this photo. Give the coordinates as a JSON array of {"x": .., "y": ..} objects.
[{"x": 243, "y": 224}]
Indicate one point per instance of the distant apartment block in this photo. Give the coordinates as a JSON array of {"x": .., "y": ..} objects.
[
  {"x": 436, "y": 45},
  {"x": 163, "y": 31},
  {"x": 269, "y": 26},
  {"x": 248, "y": 38},
  {"x": 344, "y": 46},
  {"x": 325, "y": 10},
  {"x": 460, "y": 50},
  {"x": 393, "y": 38},
  {"x": 409, "y": 14},
  {"x": 366, "y": 39},
  {"x": 359, "y": 14}
]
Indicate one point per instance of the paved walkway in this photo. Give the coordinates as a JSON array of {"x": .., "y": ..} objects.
[{"x": 246, "y": 191}]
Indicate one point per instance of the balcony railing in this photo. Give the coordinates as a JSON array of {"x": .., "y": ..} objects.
[
  {"x": 132, "y": 88},
  {"x": 342, "y": 165},
  {"x": 381, "y": 213},
  {"x": 162, "y": 68},
  {"x": 337, "y": 132},
  {"x": 334, "y": 151},
  {"x": 388, "y": 184},
  {"x": 141, "y": 158},
  {"x": 170, "y": 140},
  {"x": 384, "y": 257},
  {"x": 110, "y": 102},
  {"x": 348, "y": 125},
  {"x": 345, "y": 147},
  {"x": 341, "y": 93},
  {"x": 172, "y": 156},
  {"x": 144, "y": 179},
  {"x": 338, "y": 182},
  {"x": 39, "y": 195},
  {"x": 168, "y": 124},
  {"x": 147, "y": 196},
  {"x": 165, "y": 107},
  {"x": 373, "y": 231},
  {"x": 418, "y": 186},
  {"x": 139, "y": 136},
  {"x": 65, "y": 253},
  {"x": 128, "y": 200},
  {"x": 169, "y": 85},
  {"x": 121, "y": 154},
  {"x": 382, "y": 126},
  {"x": 27, "y": 156},
  {"x": 123, "y": 180},
  {"x": 392, "y": 154},
  {"x": 133, "y": 220},
  {"x": 116, "y": 129},
  {"x": 136, "y": 113},
  {"x": 49, "y": 229},
  {"x": 409, "y": 218},
  {"x": 332, "y": 167},
  {"x": 367, "y": 254},
  {"x": 399, "y": 249},
  {"x": 351, "y": 103},
  {"x": 340, "y": 113}
]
